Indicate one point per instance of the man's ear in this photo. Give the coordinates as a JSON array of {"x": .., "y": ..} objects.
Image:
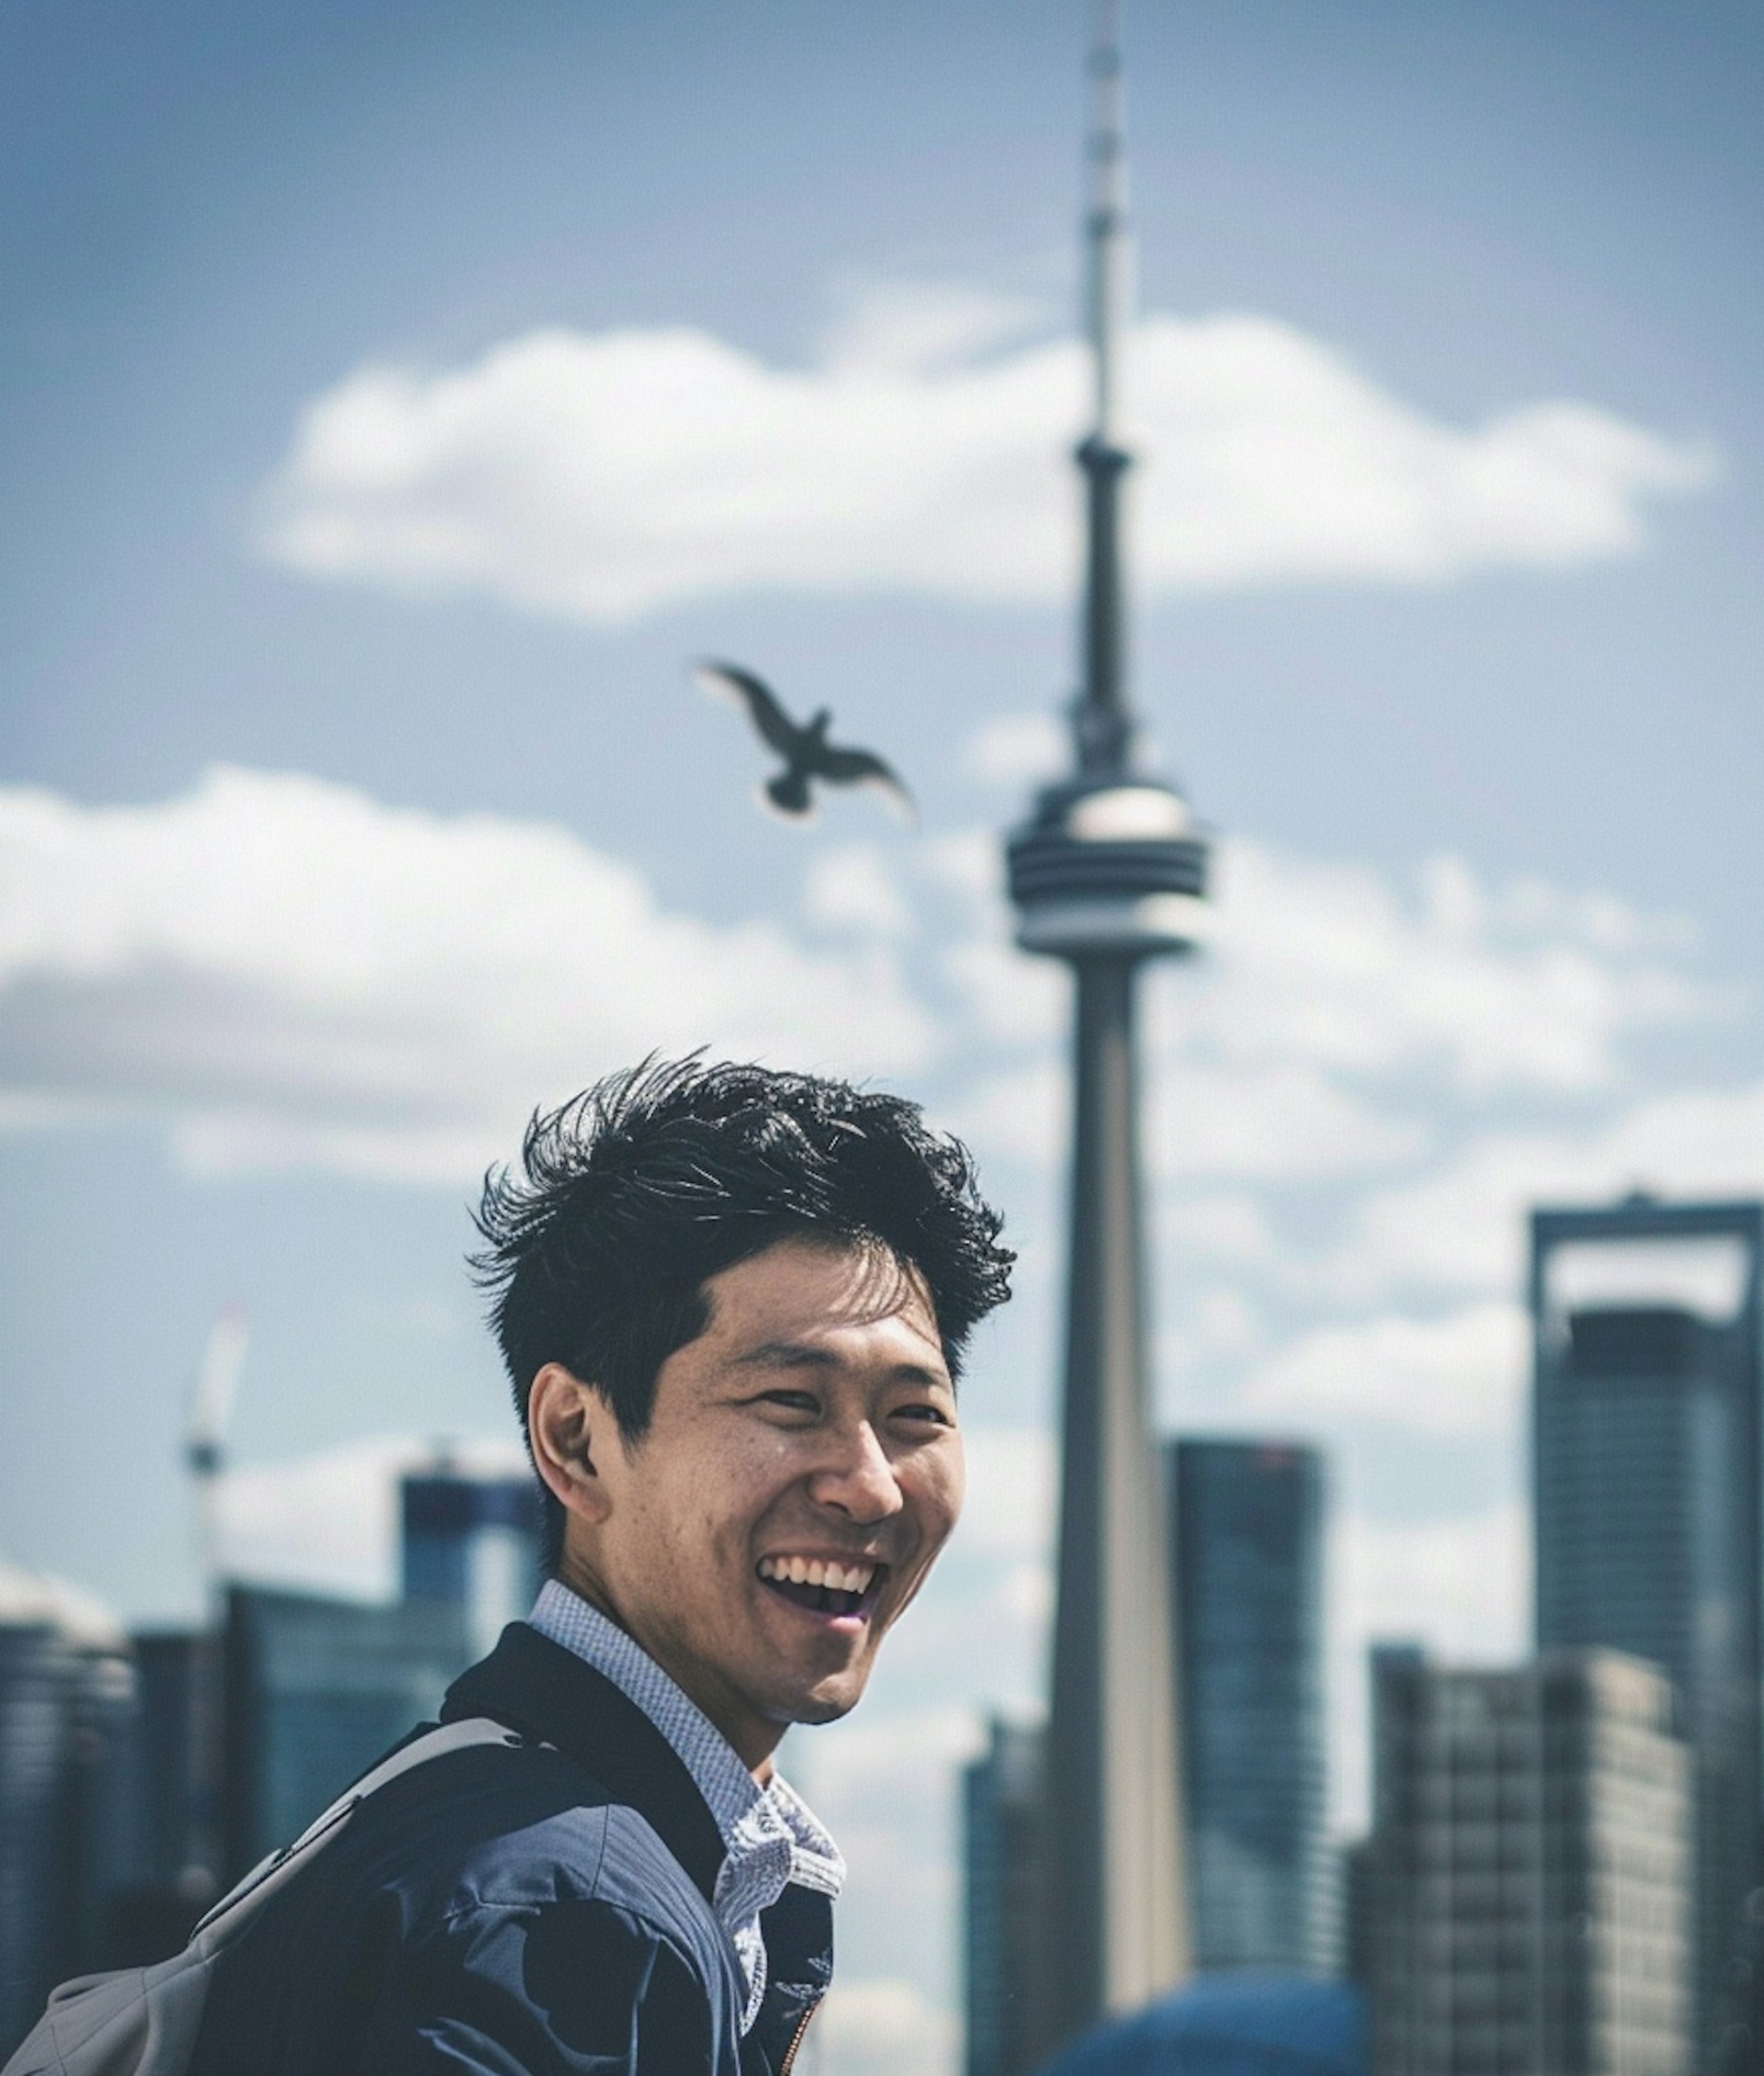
[{"x": 567, "y": 1421}]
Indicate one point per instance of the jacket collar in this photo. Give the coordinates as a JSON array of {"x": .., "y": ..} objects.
[{"x": 537, "y": 1686}]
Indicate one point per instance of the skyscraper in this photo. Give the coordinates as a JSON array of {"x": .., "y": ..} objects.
[
  {"x": 1107, "y": 872},
  {"x": 472, "y": 1542},
  {"x": 66, "y": 1699},
  {"x": 1001, "y": 1812},
  {"x": 1246, "y": 1529},
  {"x": 174, "y": 1857},
  {"x": 1530, "y": 1863},
  {"x": 1646, "y": 1469},
  {"x": 317, "y": 1689}
]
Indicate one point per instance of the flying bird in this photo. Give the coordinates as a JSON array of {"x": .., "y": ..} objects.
[{"x": 807, "y": 753}]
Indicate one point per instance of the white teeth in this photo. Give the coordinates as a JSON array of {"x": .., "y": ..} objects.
[{"x": 818, "y": 1572}]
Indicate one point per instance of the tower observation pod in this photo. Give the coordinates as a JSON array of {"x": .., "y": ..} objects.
[{"x": 1109, "y": 869}]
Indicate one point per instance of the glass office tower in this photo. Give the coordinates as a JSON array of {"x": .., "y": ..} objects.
[
  {"x": 66, "y": 1702},
  {"x": 1246, "y": 1527},
  {"x": 1001, "y": 1792},
  {"x": 1646, "y": 1470},
  {"x": 472, "y": 1542},
  {"x": 317, "y": 1689}
]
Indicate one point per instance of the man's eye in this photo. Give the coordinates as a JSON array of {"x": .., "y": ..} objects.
[
  {"x": 791, "y": 1401},
  {"x": 924, "y": 1416}
]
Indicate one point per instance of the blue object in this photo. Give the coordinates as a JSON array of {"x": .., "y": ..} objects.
[{"x": 1230, "y": 2026}]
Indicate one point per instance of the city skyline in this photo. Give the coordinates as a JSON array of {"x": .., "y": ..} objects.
[{"x": 1488, "y": 772}]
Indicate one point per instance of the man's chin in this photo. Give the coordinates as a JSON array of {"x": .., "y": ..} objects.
[{"x": 826, "y": 1702}]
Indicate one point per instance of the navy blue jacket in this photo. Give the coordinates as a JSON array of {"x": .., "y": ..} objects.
[{"x": 506, "y": 1911}]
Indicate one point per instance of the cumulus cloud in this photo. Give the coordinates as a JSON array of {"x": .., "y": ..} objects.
[
  {"x": 289, "y": 972},
  {"x": 602, "y": 475},
  {"x": 1458, "y": 1375},
  {"x": 1458, "y": 1226},
  {"x": 1346, "y": 969},
  {"x": 1341, "y": 1013}
]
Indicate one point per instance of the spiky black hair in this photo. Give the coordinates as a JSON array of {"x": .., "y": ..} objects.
[{"x": 633, "y": 1194}]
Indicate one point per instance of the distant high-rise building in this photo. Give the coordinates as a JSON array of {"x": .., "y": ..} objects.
[
  {"x": 1529, "y": 1869},
  {"x": 1246, "y": 1529},
  {"x": 1001, "y": 1793},
  {"x": 473, "y": 1543},
  {"x": 1647, "y": 1471},
  {"x": 315, "y": 1690},
  {"x": 171, "y": 1862},
  {"x": 66, "y": 1699},
  {"x": 170, "y": 1677}
]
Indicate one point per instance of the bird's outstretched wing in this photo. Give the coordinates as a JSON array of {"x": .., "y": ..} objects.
[
  {"x": 863, "y": 767},
  {"x": 730, "y": 682}
]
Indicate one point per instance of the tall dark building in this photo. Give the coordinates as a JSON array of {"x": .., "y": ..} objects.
[
  {"x": 1001, "y": 1812},
  {"x": 170, "y": 1677},
  {"x": 66, "y": 1703},
  {"x": 316, "y": 1688},
  {"x": 1107, "y": 872},
  {"x": 472, "y": 1542},
  {"x": 1246, "y": 1527},
  {"x": 172, "y": 1859},
  {"x": 1646, "y": 1470}
]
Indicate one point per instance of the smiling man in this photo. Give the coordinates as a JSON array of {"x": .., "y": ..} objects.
[{"x": 732, "y": 1303}]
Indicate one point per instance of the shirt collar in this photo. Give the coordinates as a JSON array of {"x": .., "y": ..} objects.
[{"x": 753, "y": 1821}]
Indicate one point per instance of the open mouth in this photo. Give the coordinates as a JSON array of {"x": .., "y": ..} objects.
[{"x": 822, "y": 1587}]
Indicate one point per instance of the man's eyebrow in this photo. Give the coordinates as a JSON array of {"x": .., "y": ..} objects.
[{"x": 811, "y": 1355}]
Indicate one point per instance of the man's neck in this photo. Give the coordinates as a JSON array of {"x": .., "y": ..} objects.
[{"x": 753, "y": 1739}]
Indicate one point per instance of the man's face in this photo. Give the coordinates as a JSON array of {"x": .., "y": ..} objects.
[{"x": 801, "y": 1471}]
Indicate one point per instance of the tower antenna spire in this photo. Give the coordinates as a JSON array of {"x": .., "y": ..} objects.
[
  {"x": 1108, "y": 233},
  {"x": 1102, "y": 721}
]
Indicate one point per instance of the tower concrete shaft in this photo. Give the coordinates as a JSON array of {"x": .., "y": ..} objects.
[
  {"x": 1108, "y": 872},
  {"x": 1115, "y": 1923}
]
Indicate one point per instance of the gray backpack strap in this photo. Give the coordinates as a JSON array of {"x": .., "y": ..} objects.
[
  {"x": 246, "y": 1898},
  {"x": 145, "y": 2021}
]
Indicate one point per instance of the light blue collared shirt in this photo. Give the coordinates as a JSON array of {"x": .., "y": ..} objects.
[{"x": 770, "y": 1838}]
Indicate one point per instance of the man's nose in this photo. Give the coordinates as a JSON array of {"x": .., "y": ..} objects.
[{"x": 857, "y": 1480}]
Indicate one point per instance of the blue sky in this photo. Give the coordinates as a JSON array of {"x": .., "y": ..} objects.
[{"x": 392, "y": 398}]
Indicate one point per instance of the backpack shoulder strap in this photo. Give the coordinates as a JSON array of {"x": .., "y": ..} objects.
[{"x": 246, "y": 1898}]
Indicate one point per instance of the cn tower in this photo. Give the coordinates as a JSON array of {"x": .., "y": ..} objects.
[{"x": 1109, "y": 871}]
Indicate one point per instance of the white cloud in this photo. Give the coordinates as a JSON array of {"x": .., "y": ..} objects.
[
  {"x": 1341, "y": 967},
  {"x": 602, "y": 475},
  {"x": 1460, "y": 1228},
  {"x": 1457, "y": 1584},
  {"x": 290, "y": 973},
  {"x": 1341, "y": 1018},
  {"x": 851, "y": 888},
  {"x": 1268, "y": 1123},
  {"x": 1460, "y": 1375},
  {"x": 1018, "y": 749},
  {"x": 1460, "y": 1584}
]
